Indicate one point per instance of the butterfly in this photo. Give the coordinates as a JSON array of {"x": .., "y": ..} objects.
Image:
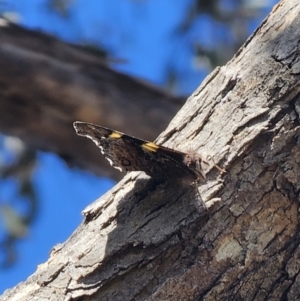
[{"x": 127, "y": 153}]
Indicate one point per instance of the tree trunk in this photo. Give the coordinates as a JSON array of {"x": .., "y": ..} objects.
[{"x": 146, "y": 242}]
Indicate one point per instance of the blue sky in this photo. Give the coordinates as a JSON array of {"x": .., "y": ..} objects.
[{"x": 145, "y": 33}]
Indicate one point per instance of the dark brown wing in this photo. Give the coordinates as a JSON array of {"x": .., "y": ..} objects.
[{"x": 128, "y": 153}]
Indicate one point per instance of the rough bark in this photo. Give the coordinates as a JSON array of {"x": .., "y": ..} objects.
[
  {"x": 46, "y": 85},
  {"x": 146, "y": 242}
]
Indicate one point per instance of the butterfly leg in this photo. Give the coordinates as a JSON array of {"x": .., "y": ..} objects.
[
  {"x": 221, "y": 170},
  {"x": 195, "y": 183}
]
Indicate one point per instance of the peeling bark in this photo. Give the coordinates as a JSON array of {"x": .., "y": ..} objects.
[{"x": 143, "y": 241}]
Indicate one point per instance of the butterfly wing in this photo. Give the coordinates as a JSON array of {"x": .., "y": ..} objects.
[{"x": 128, "y": 153}]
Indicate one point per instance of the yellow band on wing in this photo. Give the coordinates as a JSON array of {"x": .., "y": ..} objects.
[
  {"x": 115, "y": 135},
  {"x": 150, "y": 147}
]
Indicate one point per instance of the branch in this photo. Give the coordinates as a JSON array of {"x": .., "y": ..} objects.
[{"x": 46, "y": 85}]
